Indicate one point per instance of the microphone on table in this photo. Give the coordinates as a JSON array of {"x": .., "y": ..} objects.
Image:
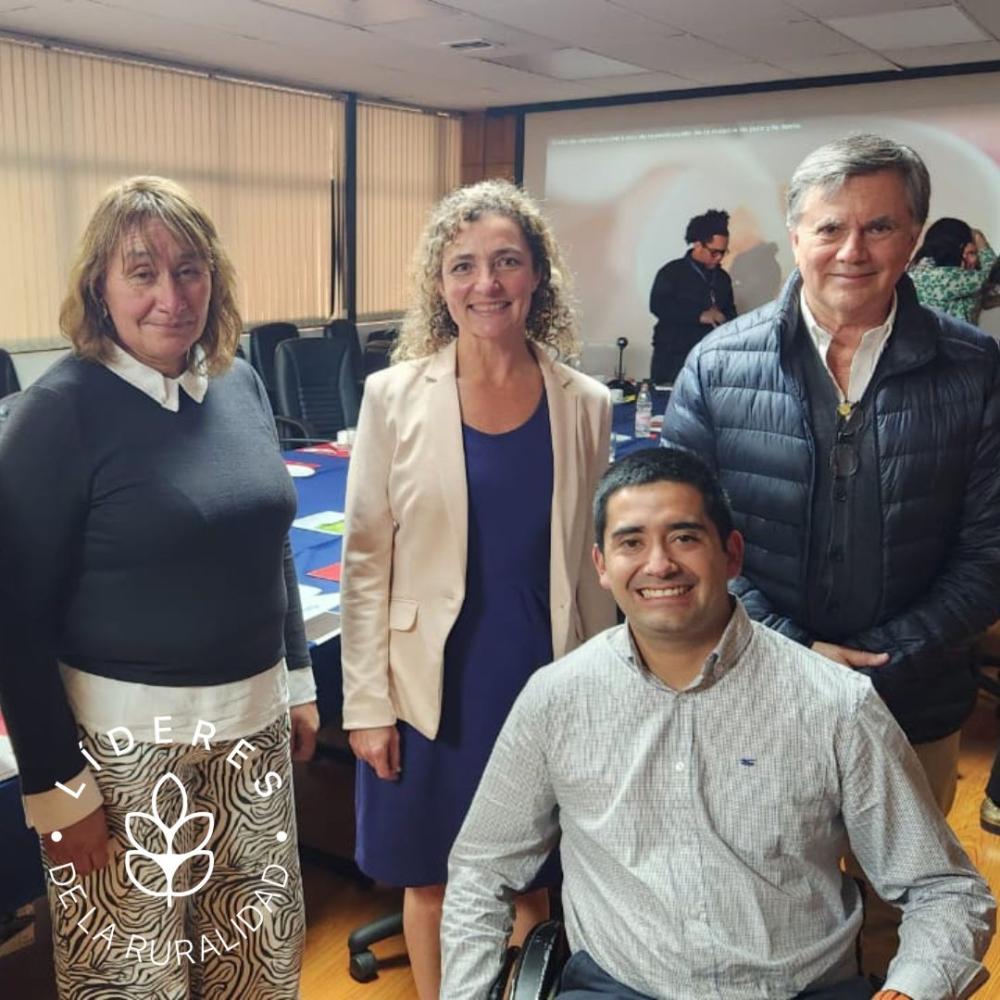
[{"x": 619, "y": 381}]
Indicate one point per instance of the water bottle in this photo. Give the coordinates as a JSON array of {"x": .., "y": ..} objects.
[{"x": 643, "y": 412}]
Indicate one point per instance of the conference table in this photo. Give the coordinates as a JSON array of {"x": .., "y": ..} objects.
[{"x": 320, "y": 477}]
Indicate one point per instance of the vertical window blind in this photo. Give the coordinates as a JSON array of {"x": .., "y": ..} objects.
[
  {"x": 264, "y": 162},
  {"x": 406, "y": 161}
]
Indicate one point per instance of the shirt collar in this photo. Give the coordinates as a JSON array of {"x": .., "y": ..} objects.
[
  {"x": 159, "y": 387},
  {"x": 723, "y": 658},
  {"x": 822, "y": 338}
]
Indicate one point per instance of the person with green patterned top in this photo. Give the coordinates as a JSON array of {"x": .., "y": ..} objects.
[{"x": 951, "y": 270}]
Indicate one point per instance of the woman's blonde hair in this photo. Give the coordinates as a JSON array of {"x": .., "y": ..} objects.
[
  {"x": 127, "y": 206},
  {"x": 428, "y": 326}
]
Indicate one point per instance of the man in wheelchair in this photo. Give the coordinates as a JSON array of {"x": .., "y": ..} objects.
[{"x": 702, "y": 776}]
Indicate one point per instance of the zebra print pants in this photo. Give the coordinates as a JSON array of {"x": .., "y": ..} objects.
[{"x": 203, "y": 897}]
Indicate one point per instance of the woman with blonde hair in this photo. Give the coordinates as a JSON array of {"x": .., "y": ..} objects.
[
  {"x": 467, "y": 549},
  {"x": 152, "y": 638}
]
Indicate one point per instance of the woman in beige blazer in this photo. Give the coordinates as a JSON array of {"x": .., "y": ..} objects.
[{"x": 467, "y": 551}]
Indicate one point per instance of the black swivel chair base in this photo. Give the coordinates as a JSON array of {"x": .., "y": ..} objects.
[{"x": 364, "y": 965}]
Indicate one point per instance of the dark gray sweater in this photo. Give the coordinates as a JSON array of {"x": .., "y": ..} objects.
[{"x": 137, "y": 544}]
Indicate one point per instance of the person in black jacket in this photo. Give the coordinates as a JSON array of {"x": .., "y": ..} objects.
[
  {"x": 857, "y": 434},
  {"x": 692, "y": 295}
]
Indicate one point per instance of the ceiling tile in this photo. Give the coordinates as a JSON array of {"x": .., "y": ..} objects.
[
  {"x": 567, "y": 64},
  {"x": 645, "y": 83},
  {"x": 910, "y": 29},
  {"x": 825, "y": 9},
  {"x": 683, "y": 55},
  {"x": 360, "y": 13},
  {"x": 946, "y": 55},
  {"x": 835, "y": 65},
  {"x": 986, "y": 13},
  {"x": 774, "y": 42},
  {"x": 706, "y": 16},
  {"x": 726, "y": 76},
  {"x": 586, "y": 24}
]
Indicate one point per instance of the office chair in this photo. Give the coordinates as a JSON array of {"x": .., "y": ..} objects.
[
  {"x": 363, "y": 964},
  {"x": 294, "y": 434},
  {"x": 338, "y": 329},
  {"x": 8, "y": 375},
  {"x": 315, "y": 385},
  {"x": 533, "y": 972},
  {"x": 378, "y": 346},
  {"x": 264, "y": 341}
]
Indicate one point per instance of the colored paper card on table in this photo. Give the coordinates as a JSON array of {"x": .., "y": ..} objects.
[
  {"x": 329, "y": 522},
  {"x": 331, "y": 572},
  {"x": 319, "y": 603}
]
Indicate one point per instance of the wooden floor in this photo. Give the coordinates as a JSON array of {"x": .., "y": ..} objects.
[{"x": 336, "y": 905}]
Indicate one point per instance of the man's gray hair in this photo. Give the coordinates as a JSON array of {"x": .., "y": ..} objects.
[{"x": 856, "y": 155}]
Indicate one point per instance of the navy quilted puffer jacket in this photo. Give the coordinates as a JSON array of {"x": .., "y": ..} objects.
[{"x": 937, "y": 430}]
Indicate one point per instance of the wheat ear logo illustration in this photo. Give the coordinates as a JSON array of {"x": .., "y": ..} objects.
[{"x": 168, "y": 861}]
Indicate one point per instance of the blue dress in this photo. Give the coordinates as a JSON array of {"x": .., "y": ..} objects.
[{"x": 503, "y": 633}]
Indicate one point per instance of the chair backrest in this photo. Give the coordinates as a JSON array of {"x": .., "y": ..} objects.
[
  {"x": 315, "y": 384},
  {"x": 378, "y": 346},
  {"x": 263, "y": 342},
  {"x": 8, "y": 375},
  {"x": 338, "y": 329}
]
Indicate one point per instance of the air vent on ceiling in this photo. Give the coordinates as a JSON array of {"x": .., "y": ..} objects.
[{"x": 471, "y": 44}]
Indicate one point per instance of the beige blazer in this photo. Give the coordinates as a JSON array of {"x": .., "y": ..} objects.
[{"x": 404, "y": 562}]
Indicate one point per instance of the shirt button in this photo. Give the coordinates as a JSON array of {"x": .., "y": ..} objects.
[
  {"x": 679, "y": 766},
  {"x": 839, "y": 493},
  {"x": 837, "y": 553}
]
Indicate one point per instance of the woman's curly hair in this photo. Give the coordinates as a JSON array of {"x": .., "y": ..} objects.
[
  {"x": 133, "y": 204},
  {"x": 428, "y": 326}
]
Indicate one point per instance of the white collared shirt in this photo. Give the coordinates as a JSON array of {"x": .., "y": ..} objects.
[
  {"x": 237, "y": 709},
  {"x": 160, "y": 388},
  {"x": 865, "y": 358}
]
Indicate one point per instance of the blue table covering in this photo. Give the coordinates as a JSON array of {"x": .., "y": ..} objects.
[{"x": 324, "y": 490}]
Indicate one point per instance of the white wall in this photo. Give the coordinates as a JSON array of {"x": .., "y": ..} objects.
[
  {"x": 30, "y": 364},
  {"x": 620, "y": 183}
]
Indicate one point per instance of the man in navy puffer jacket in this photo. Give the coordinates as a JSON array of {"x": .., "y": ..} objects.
[{"x": 857, "y": 434}]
